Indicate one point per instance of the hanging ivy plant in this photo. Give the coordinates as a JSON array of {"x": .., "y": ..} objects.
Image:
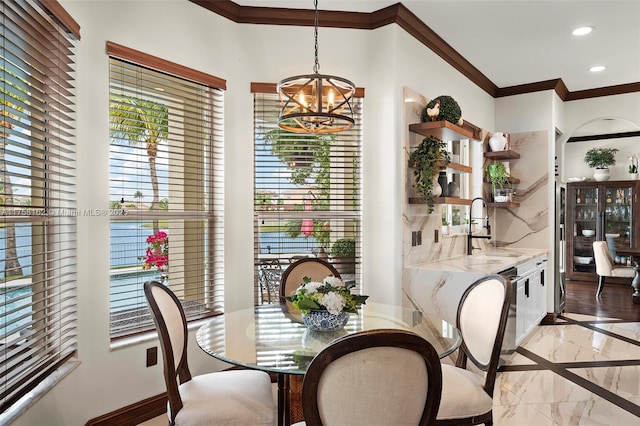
[
  {"x": 449, "y": 110},
  {"x": 424, "y": 160}
]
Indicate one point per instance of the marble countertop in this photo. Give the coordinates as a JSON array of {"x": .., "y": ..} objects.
[{"x": 485, "y": 262}]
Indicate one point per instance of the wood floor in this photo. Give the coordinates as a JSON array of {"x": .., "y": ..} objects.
[{"x": 614, "y": 302}]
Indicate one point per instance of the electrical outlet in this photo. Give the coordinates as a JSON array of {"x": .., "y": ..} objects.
[
  {"x": 419, "y": 238},
  {"x": 414, "y": 238},
  {"x": 152, "y": 356}
]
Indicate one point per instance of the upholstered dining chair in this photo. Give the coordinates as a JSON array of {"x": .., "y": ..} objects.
[
  {"x": 239, "y": 397},
  {"x": 605, "y": 266},
  {"x": 373, "y": 378},
  {"x": 312, "y": 267},
  {"x": 467, "y": 396}
]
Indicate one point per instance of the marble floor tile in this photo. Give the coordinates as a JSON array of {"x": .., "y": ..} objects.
[
  {"x": 624, "y": 381},
  {"x": 630, "y": 330},
  {"x": 574, "y": 343},
  {"x": 595, "y": 412},
  {"x": 543, "y": 386},
  {"x": 581, "y": 317}
]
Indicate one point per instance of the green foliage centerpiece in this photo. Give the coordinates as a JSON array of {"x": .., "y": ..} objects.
[{"x": 325, "y": 306}]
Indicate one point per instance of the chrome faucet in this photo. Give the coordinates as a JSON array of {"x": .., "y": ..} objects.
[{"x": 470, "y": 236}]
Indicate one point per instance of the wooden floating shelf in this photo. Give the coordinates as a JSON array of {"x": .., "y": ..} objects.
[
  {"x": 502, "y": 155},
  {"x": 441, "y": 200},
  {"x": 503, "y": 205},
  {"x": 455, "y": 166},
  {"x": 511, "y": 180},
  {"x": 444, "y": 130}
]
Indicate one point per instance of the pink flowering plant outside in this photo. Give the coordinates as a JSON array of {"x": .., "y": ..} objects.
[
  {"x": 332, "y": 295},
  {"x": 157, "y": 254}
]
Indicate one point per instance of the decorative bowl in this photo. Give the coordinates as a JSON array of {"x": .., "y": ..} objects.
[
  {"x": 318, "y": 320},
  {"x": 582, "y": 260},
  {"x": 588, "y": 232}
]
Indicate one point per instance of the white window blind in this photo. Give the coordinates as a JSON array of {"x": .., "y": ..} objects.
[
  {"x": 165, "y": 187},
  {"x": 37, "y": 195},
  {"x": 306, "y": 195}
]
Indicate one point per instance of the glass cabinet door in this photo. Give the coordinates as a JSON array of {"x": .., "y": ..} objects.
[
  {"x": 585, "y": 228},
  {"x": 617, "y": 224}
]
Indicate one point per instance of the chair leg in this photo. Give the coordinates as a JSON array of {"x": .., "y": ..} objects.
[{"x": 600, "y": 285}]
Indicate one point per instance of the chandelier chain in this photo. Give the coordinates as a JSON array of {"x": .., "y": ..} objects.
[{"x": 316, "y": 66}]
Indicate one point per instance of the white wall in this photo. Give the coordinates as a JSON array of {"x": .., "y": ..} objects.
[{"x": 589, "y": 113}]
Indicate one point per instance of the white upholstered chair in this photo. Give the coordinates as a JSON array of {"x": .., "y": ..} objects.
[
  {"x": 467, "y": 396},
  {"x": 373, "y": 378},
  {"x": 312, "y": 267},
  {"x": 605, "y": 266},
  {"x": 236, "y": 397}
]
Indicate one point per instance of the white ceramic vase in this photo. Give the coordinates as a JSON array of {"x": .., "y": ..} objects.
[
  {"x": 633, "y": 176},
  {"x": 601, "y": 174},
  {"x": 498, "y": 142},
  {"x": 437, "y": 189}
]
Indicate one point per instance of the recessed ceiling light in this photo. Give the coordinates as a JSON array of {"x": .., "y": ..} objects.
[
  {"x": 597, "y": 68},
  {"x": 582, "y": 31}
]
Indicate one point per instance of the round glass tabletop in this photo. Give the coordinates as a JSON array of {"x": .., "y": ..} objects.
[{"x": 268, "y": 339}]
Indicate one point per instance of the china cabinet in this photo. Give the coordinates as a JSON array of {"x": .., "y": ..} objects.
[{"x": 599, "y": 211}]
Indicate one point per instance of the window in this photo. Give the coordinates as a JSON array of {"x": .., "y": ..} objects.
[
  {"x": 306, "y": 196},
  {"x": 165, "y": 187},
  {"x": 37, "y": 196}
]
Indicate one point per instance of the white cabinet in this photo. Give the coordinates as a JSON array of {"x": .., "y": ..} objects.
[{"x": 531, "y": 298}]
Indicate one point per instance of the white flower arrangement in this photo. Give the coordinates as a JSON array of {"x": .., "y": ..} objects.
[
  {"x": 332, "y": 295},
  {"x": 633, "y": 167}
]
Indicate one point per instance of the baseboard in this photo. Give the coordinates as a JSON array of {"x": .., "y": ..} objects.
[
  {"x": 133, "y": 414},
  {"x": 549, "y": 319}
]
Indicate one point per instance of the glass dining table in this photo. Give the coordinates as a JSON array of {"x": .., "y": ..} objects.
[{"x": 266, "y": 338}]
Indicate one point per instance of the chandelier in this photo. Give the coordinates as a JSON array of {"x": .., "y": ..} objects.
[{"x": 315, "y": 103}]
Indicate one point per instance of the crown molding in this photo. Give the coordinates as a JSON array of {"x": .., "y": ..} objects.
[{"x": 405, "y": 19}]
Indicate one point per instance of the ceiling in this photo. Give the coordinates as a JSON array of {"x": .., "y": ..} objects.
[{"x": 517, "y": 42}]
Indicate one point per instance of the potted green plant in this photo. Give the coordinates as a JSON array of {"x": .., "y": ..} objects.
[
  {"x": 443, "y": 108},
  {"x": 601, "y": 159},
  {"x": 343, "y": 255},
  {"x": 500, "y": 181},
  {"x": 445, "y": 227},
  {"x": 425, "y": 161}
]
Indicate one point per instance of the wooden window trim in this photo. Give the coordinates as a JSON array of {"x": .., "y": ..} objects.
[{"x": 127, "y": 54}]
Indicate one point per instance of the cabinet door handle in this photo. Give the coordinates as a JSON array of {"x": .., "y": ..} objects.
[
  {"x": 526, "y": 287},
  {"x": 542, "y": 278}
]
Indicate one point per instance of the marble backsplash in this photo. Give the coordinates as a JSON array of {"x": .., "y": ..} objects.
[{"x": 525, "y": 226}]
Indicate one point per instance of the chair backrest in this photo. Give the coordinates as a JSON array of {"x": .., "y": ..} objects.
[
  {"x": 602, "y": 257},
  {"x": 270, "y": 274},
  {"x": 482, "y": 319},
  {"x": 375, "y": 377},
  {"x": 171, "y": 324},
  {"x": 312, "y": 267}
]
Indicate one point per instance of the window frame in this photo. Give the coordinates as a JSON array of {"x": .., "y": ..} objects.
[
  {"x": 197, "y": 279},
  {"x": 344, "y": 220},
  {"x": 38, "y": 76}
]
